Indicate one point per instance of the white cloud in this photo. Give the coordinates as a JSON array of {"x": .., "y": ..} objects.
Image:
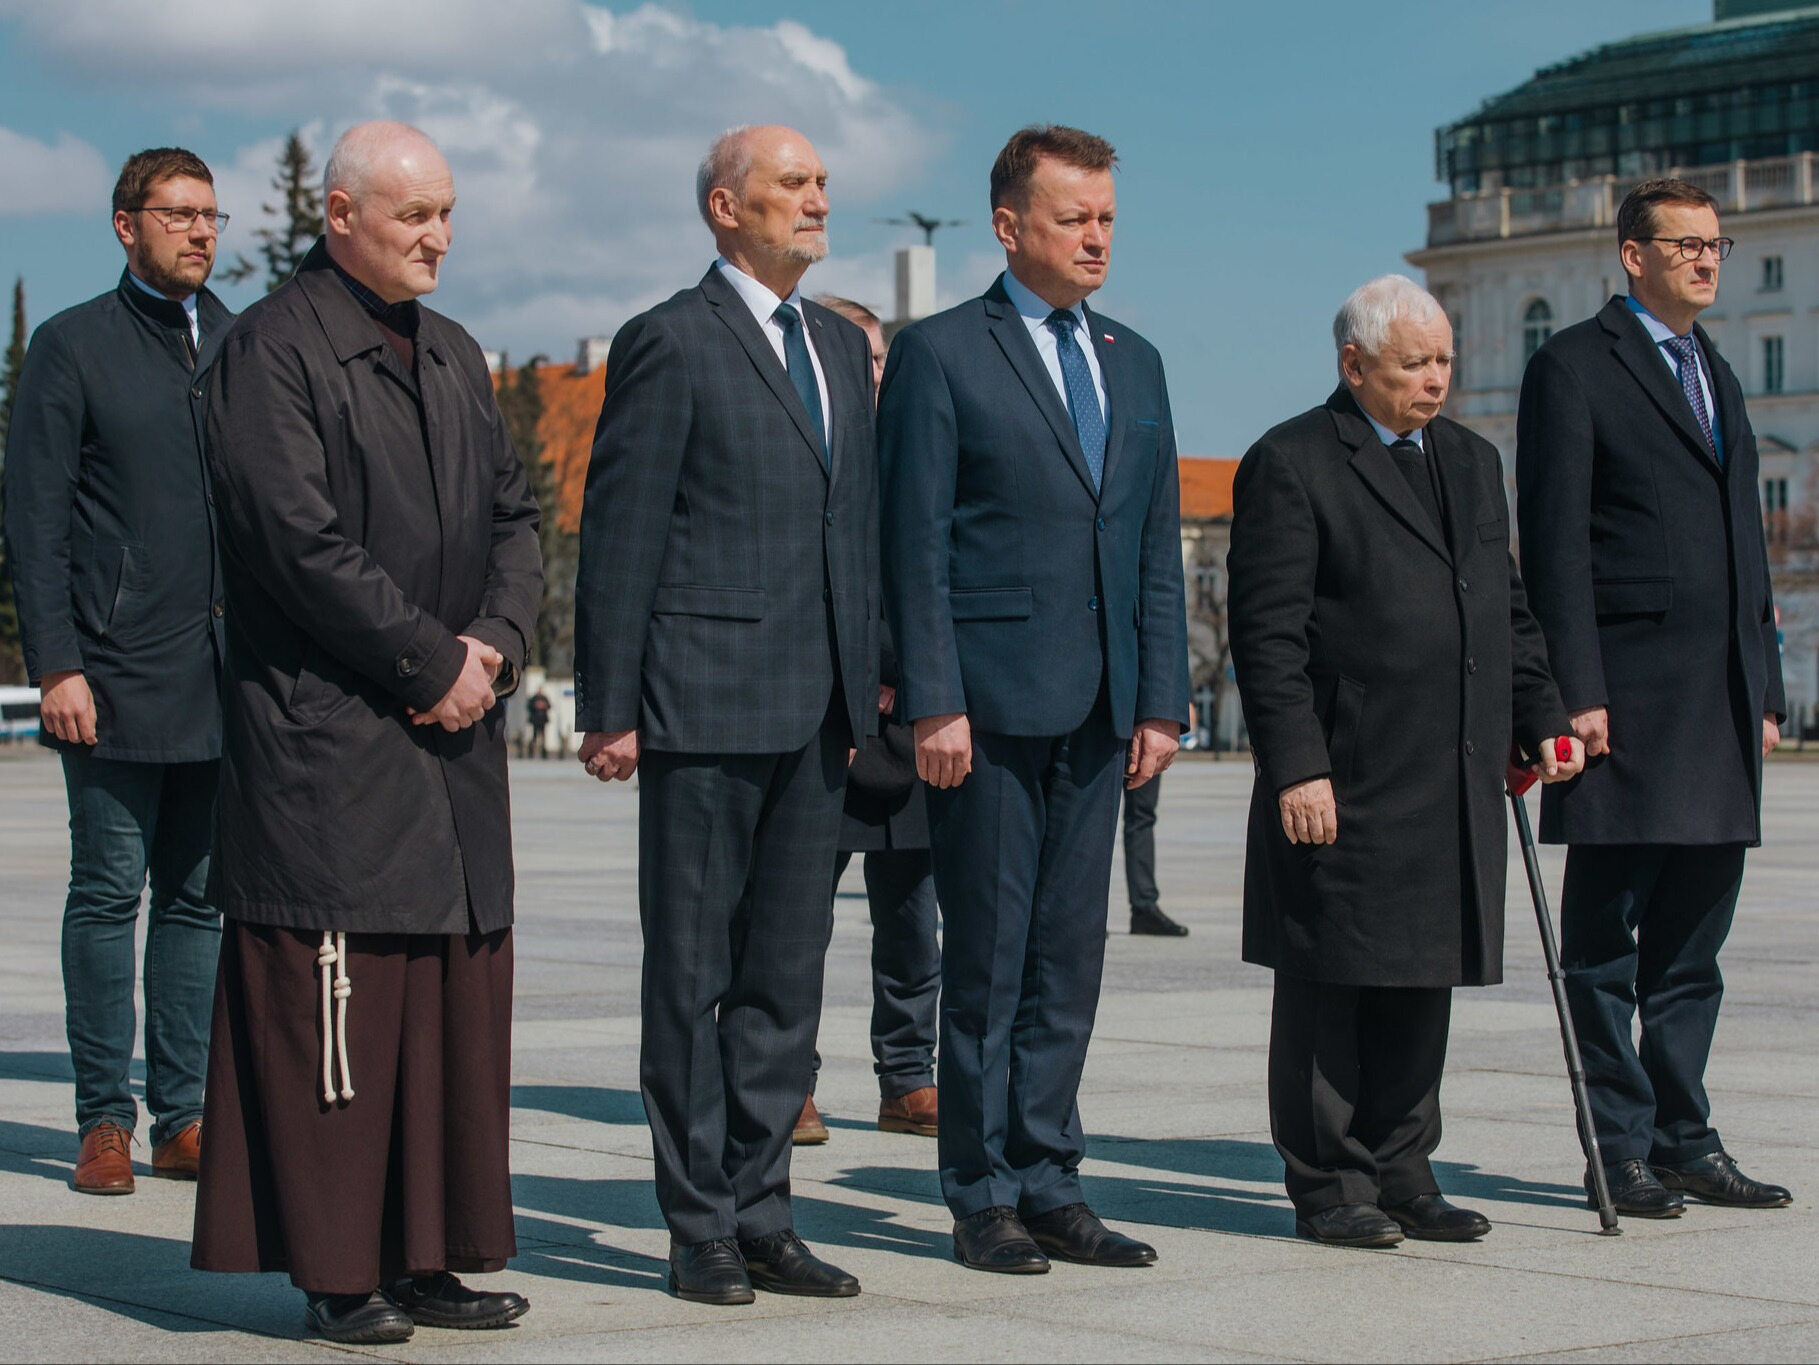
[{"x": 68, "y": 176}]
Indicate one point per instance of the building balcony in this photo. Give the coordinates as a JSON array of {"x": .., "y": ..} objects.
[{"x": 1738, "y": 186}]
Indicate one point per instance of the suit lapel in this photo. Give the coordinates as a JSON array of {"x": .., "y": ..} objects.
[
  {"x": 1452, "y": 463},
  {"x": 731, "y": 310},
  {"x": 1117, "y": 390},
  {"x": 834, "y": 373},
  {"x": 1377, "y": 467},
  {"x": 1012, "y": 336},
  {"x": 1732, "y": 421},
  {"x": 1639, "y": 354}
]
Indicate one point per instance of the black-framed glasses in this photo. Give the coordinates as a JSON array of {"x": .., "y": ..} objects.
[
  {"x": 181, "y": 218},
  {"x": 1692, "y": 248}
]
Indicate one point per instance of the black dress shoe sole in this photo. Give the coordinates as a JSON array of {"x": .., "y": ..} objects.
[
  {"x": 1059, "y": 1253},
  {"x": 378, "y": 1335},
  {"x": 425, "y": 1317},
  {"x": 1027, "y": 1268},
  {"x": 1157, "y": 931},
  {"x": 726, "y": 1298},
  {"x": 1469, "y": 1233},
  {"x": 1719, "y": 1201},
  {"x": 773, "y": 1285},
  {"x": 1637, "y": 1210},
  {"x": 1388, "y": 1238}
]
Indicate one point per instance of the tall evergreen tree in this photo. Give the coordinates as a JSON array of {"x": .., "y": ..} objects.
[
  {"x": 298, "y": 214},
  {"x": 12, "y": 659},
  {"x": 521, "y": 403}
]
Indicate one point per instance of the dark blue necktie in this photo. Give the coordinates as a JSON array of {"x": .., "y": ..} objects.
[
  {"x": 1686, "y": 351},
  {"x": 801, "y": 371},
  {"x": 1082, "y": 400}
]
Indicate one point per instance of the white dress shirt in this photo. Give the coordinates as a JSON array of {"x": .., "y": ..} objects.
[
  {"x": 1388, "y": 437},
  {"x": 1662, "y": 334},
  {"x": 1035, "y": 315},
  {"x": 189, "y": 308},
  {"x": 764, "y": 305}
]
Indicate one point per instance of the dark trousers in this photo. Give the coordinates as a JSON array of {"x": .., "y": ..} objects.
[
  {"x": 129, "y": 822},
  {"x": 1354, "y": 1082},
  {"x": 1640, "y": 929},
  {"x": 733, "y": 892},
  {"x": 906, "y": 967},
  {"x": 411, "y": 1175},
  {"x": 1140, "y": 845},
  {"x": 1023, "y": 864}
]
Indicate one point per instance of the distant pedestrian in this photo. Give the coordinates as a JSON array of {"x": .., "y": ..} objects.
[
  {"x": 111, "y": 538},
  {"x": 1147, "y": 917},
  {"x": 537, "y": 716}
]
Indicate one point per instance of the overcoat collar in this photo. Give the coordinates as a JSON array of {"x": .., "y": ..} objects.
[
  {"x": 212, "y": 316},
  {"x": 350, "y": 329},
  {"x": 731, "y": 310},
  {"x": 1377, "y": 467},
  {"x": 1636, "y": 350},
  {"x": 1013, "y": 338}
]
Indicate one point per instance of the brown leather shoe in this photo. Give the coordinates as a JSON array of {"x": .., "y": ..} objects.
[
  {"x": 917, "y": 1112},
  {"x": 105, "y": 1163},
  {"x": 809, "y": 1130},
  {"x": 176, "y": 1158}
]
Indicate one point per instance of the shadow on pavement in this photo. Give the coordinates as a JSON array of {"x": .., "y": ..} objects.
[
  {"x": 1469, "y": 1182},
  {"x": 33, "y": 1149},
  {"x": 595, "y": 1104},
  {"x": 43, "y": 1066}
]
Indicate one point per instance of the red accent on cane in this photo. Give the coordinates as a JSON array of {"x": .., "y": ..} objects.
[
  {"x": 1563, "y": 749},
  {"x": 1519, "y": 776}
]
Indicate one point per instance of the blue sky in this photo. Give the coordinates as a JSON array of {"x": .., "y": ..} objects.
[{"x": 1274, "y": 155}]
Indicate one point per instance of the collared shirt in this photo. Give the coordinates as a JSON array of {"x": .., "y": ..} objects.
[
  {"x": 401, "y": 318},
  {"x": 764, "y": 305},
  {"x": 1035, "y": 315},
  {"x": 1662, "y": 334},
  {"x": 189, "y": 308},
  {"x": 1388, "y": 437}
]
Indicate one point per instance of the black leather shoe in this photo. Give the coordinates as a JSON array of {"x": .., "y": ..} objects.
[
  {"x": 1153, "y": 921},
  {"x": 780, "y": 1264},
  {"x": 1429, "y": 1218},
  {"x": 1636, "y": 1192},
  {"x": 1350, "y": 1225},
  {"x": 995, "y": 1239},
  {"x": 440, "y": 1300},
  {"x": 358, "y": 1319},
  {"x": 1715, "y": 1179},
  {"x": 1073, "y": 1232},
  {"x": 709, "y": 1272}
]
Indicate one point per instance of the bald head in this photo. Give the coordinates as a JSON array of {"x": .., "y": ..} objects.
[
  {"x": 387, "y": 198},
  {"x": 763, "y": 192}
]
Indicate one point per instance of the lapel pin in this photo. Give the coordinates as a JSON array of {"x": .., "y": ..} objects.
[{"x": 1109, "y": 338}]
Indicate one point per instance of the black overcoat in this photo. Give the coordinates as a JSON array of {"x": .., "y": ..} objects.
[
  {"x": 368, "y": 517},
  {"x": 1646, "y": 565},
  {"x": 110, "y": 532},
  {"x": 1398, "y": 658}
]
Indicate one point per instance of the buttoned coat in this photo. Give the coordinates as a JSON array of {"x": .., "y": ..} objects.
[
  {"x": 369, "y": 515},
  {"x": 1016, "y": 589},
  {"x": 1398, "y": 658},
  {"x": 1646, "y": 563},
  {"x": 729, "y": 571},
  {"x": 109, "y": 524}
]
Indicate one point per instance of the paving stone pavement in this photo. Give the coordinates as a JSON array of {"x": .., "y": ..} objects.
[{"x": 1180, "y": 1151}]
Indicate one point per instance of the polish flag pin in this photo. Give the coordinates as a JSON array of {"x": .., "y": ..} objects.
[{"x": 1109, "y": 338}]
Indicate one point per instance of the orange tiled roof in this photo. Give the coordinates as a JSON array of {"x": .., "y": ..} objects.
[{"x": 571, "y": 405}]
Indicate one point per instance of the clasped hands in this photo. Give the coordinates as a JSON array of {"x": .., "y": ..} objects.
[
  {"x": 1310, "y": 811},
  {"x": 944, "y": 750},
  {"x": 472, "y": 695}
]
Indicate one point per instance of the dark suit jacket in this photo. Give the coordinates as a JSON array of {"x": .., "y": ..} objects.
[
  {"x": 714, "y": 539},
  {"x": 1397, "y": 658},
  {"x": 109, "y": 528},
  {"x": 1012, "y": 588},
  {"x": 1646, "y": 565},
  {"x": 368, "y": 517}
]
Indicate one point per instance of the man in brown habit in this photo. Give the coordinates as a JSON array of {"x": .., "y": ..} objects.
[{"x": 379, "y": 548}]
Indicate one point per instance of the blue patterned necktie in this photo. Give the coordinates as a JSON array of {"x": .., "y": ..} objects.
[
  {"x": 1686, "y": 351},
  {"x": 1082, "y": 399},
  {"x": 801, "y": 370}
]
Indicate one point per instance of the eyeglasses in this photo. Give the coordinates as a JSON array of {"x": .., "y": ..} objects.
[
  {"x": 180, "y": 218},
  {"x": 1692, "y": 248}
]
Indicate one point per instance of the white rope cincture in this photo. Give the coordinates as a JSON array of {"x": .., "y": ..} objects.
[{"x": 337, "y": 986}]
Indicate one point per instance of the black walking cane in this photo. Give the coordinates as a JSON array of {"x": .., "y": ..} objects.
[{"x": 1518, "y": 778}]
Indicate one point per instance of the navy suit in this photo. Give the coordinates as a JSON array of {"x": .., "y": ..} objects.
[{"x": 1052, "y": 615}]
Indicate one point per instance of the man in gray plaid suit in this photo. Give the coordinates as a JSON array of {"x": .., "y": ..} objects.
[{"x": 726, "y": 630}]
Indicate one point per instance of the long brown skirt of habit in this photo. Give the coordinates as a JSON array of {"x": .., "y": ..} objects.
[{"x": 408, "y": 1177}]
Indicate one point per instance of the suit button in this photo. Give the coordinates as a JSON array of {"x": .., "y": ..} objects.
[
  {"x": 827, "y": 594},
  {"x": 829, "y": 518},
  {"x": 1100, "y": 523},
  {"x": 1464, "y": 586},
  {"x": 1470, "y": 748},
  {"x": 217, "y": 610},
  {"x": 407, "y": 667},
  {"x": 195, "y": 393},
  {"x": 1471, "y": 665},
  {"x": 1092, "y": 604}
]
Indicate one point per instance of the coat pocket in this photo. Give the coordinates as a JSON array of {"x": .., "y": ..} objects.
[
  {"x": 1632, "y": 596},
  {"x": 1342, "y": 748},
  {"x": 990, "y": 604},
  {"x": 726, "y": 604},
  {"x": 1493, "y": 530},
  {"x": 128, "y": 576}
]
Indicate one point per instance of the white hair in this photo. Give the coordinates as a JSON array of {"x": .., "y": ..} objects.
[
  {"x": 358, "y": 151},
  {"x": 727, "y": 163},
  {"x": 1364, "y": 319}
]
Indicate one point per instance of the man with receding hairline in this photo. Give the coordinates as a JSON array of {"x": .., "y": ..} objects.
[
  {"x": 726, "y": 617},
  {"x": 379, "y": 542},
  {"x": 1033, "y": 575}
]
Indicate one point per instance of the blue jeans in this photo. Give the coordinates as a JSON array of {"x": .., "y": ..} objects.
[{"x": 128, "y": 821}]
